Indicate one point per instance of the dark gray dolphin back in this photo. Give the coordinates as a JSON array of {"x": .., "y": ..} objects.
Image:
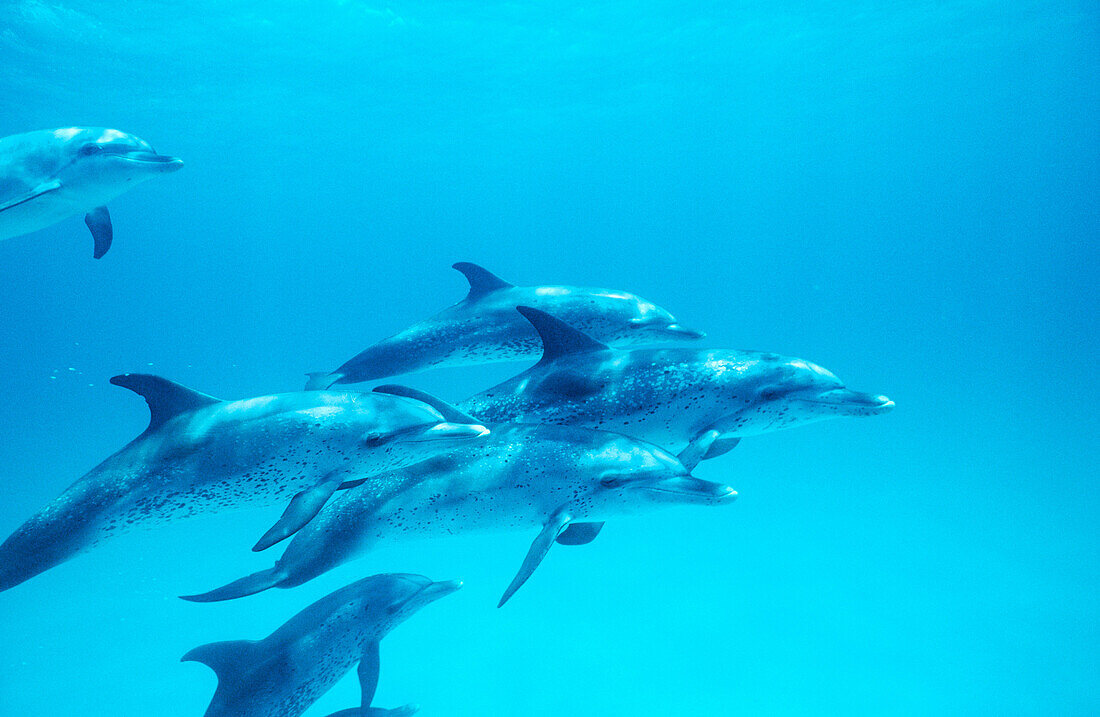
[
  {"x": 559, "y": 338},
  {"x": 166, "y": 399},
  {"x": 482, "y": 281}
]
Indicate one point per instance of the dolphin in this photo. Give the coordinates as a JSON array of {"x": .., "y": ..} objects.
[
  {"x": 201, "y": 455},
  {"x": 563, "y": 480},
  {"x": 671, "y": 396},
  {"x": 484, "y": 328},
  {"x": 48, "y": 175},
  {"x": 283, "y": 674}
]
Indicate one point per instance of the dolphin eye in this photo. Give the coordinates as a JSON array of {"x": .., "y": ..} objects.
[
  {"x": 612, "y": 481},
  {"x": 770, "y": 394},
  {"x": 88, "y": 149}
]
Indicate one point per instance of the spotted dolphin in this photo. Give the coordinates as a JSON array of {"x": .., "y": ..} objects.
[
  {"x": 484, "y": 328},
  {"x": 48, "y": 175},
  {"x": 201, "y": 455},
  {"x": 562, "y": 480},
  {"x": 670, "y": 397},
  {"x": 283, "y": 674}
]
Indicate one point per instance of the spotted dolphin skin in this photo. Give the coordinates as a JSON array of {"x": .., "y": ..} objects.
[
  {"x": 564, "y": 481},
  {"x": 283, "y": 674},
  {"x": 201, "y": 455},
  {"x": 48, "y": 175},
  {"x": 484, "y": 327},
  {"x": 667, "y": 396}
]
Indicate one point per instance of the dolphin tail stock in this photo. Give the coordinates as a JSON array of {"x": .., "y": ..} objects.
[
  {"x": 321, "y": 380},
  {"x": 249, "y": 585}
]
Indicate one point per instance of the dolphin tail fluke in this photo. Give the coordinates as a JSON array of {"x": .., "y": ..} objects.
[
  {"x": 320, "y": 380},
  {"x": 250, "y": 585}
]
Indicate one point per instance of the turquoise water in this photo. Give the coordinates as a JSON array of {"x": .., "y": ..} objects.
[{"x": 905, "y": 193}]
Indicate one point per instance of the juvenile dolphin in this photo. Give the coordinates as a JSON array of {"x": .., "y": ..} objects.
[
  {"x": 200, "y": 454},
  {"x": 48, "y": 175},
  {"x": 484, "y": 327},
  {"x": 561, "y": 479},
  {"x": 667, "y": 396},
  {"x": 287, "y": 671}
]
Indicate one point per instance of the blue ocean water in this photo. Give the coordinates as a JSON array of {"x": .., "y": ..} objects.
[{"x": 903, "y": 192}]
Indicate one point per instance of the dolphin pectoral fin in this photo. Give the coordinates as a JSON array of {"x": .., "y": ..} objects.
[
  {"x": 557, "y": 523},
  {"x": 720, "y": 446},
  {"x": 369, "y": 665},
  {"x": 44, "y": 188},
  {"x": 698, "y": 448},
  {"x": 482, "y": 281},
  {"x": 321, "y": 380},
  {"x": 449, "y": 412},
  {"x": 249, "y": 585},
  {"x": 99, "y": 223},
  {"x": 579, "y": 533},
  {"x": 302, "y": 509}
]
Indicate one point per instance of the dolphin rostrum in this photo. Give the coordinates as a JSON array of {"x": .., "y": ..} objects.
[
  {"x": 670, "y": 397},
  {"x": 48, "y": 175},
  {"x": 201, "y": 454},
  {"x": 283, "y": 674},
  {"x": 561, "y": 479},
  {"x": 484, "y": 327}
]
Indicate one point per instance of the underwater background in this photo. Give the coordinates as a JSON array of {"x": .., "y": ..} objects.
[{"x": 904, "y": 192}]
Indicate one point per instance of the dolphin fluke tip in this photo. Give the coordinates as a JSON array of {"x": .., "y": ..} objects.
[{"x": 254, "y": 583}]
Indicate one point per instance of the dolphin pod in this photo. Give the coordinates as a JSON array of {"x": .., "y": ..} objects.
[
  {"x": 48, "y": 175},
  {"x": 565, "y": 481},
  {"x": 589, "y": 433},
  {"x": 201, "y": 454},
  {"x": 292, "y": 667},
  {"x": 484, "y": 328},
  {"x": 670, "y": 397}
]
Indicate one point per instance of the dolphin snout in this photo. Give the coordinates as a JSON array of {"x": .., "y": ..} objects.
[
  {"x": 441, "y": 589},
  {"x": 449, "y": 431},
  {"x": 856, "y": 403},
  {"x": 684, "y": 332},
  {"x": 161, "y": 162}
]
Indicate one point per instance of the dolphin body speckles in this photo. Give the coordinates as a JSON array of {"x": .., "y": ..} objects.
[
  {"x": 669, "y": 397},
  {"x": 560, "y": 479},
  {"x": 484, "y": 328},
  {"x": 48, "y": 175},
  {"x": 200, "y": 455},
  {"x": 286, "y": 672}
]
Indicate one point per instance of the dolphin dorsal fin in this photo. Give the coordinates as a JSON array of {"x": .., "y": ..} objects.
[
  {"x": 449, "y": 412},
  {"x": 166, "y": 399},
  {"x": 482, "y": 281},
  {"x": 559, "y": 338},
  {"x": 227, "y": 659}
]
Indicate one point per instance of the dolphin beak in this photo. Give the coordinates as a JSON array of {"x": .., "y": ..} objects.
[
  {"x": 162, "y": 162},
  {"x": 689, "y": 489},
  {"x": 855, "y": 403},
  {"x": 434, "y": 591},
  {"x": 448, "y": 432},
  {"x": 684, "y": 332}
]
